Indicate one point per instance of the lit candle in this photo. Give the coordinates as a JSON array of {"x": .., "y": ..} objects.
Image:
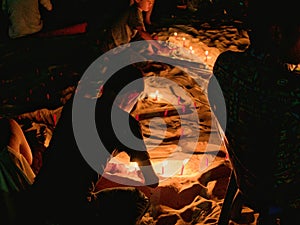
[
  {"x": 183, "y": 108},
  {"x": 156, "y": 95},
  {"x": 183, "y": 41},
  {"x": 166, "y": 112},
  {"x": 226, "y": 156},
  {"x": 163, "y": 167},
  {"x": 178, "y": 100},
  {"x": 206, "y": 55},
  {"x": 182, "y": 166}
]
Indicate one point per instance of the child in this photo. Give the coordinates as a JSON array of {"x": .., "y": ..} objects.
[
  {"x": 129, "y": 26},
  {"x": 24, "y": 16}
]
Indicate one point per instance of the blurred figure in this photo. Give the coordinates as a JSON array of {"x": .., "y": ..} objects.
[
  {"x": 130, "y": 26},
  {"x": 262, "y": 96},
  {"x": 16, "y": 174},
  {"x": 24, "y": 16},
  {"x": 148, "y": 13},
  {"x": 67, "y": 179}
]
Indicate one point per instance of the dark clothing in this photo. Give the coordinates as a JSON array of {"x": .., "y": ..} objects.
[
  {"x": 66, "y": 178},
  {"x": 262, "y": 100},
  {"x": 123, "y": 30}
]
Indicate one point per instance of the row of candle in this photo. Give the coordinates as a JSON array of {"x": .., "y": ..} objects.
[
  {"x": 165, "y": 163},
  {"x": 190, "y": 47},
  {"x": 133, "y": 166}
]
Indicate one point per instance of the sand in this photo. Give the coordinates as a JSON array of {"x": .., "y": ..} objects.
[{"x": 184, "y": 142}]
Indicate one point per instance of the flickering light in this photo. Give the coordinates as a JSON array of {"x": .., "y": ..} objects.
[
  {"x": 155, "y": 96},
  {"x": 206, "y": 55}
]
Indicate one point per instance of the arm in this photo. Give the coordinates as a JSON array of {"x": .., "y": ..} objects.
[
  {"x": 146, "y": 36},
  {"x": 18, "y": 141},
  {"x": 141, "y": 156}
]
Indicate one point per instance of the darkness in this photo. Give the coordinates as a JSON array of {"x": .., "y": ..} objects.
[{"x": 36, "y": 67}]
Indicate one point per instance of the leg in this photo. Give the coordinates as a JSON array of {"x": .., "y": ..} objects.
[{"x": 228, "y": 200}]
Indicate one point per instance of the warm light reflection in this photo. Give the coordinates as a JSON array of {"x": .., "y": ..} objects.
[
  {"x": 156, "y": 96},
  {"x": 132, "y": 167}
]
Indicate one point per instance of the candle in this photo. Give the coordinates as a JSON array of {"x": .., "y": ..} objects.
[
  {"x": 54, "y": 119},
  {"x": 182, "y": 131},
  {"x": 156, "y": 95},
  {"x": 206, "y": 55},
  {"x": 166, "y": 112},
  {"x": 175, "y": 35},
  {"x": 163, "y": 167},
  {"x": 183, "y": 108},
  {"x": 182, "y": 166},
  {"x": 183, "y": 41},
  {"x": 226, "y": 156}
]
